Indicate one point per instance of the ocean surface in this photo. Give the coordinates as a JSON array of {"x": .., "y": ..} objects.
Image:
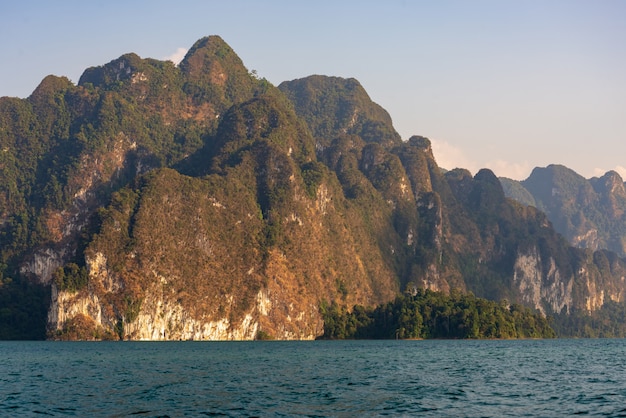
[{"x": 535, "y": 378}]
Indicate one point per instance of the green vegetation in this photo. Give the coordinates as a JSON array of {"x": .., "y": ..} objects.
[
  {"x": 430, "y": 314},
  {"x": 263, "y": 336},
  {"x": 71, "y": 277},
  {"x": 23, "y": 309},
  {"x": 334, "y": 106},
  {"x": 312, "y": 175},
  {"x": 606, "y": 322}
]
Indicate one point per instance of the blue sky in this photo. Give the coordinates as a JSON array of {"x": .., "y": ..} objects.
[{"x": 507, "y": 85}]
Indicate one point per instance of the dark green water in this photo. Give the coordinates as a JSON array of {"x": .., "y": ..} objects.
[{"x": 540, "y": 378}]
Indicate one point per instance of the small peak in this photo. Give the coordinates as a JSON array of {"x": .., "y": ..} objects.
[
  {"x": 555, "y": 173},
  {"x": 559, "y": 168},
  {"x": 213, "y": 42},
  {"x": 486, "y": 176},
  {"x": 421, "y": 142},
  {"x": 49, "y": 85},
  {"x": 318, "y": 81},
  {"x": 213, "y": 72},
  {"x": 206, "y": 51},
  {"x": 487, "y": 191},
  {"x": 119, "y": 69}
]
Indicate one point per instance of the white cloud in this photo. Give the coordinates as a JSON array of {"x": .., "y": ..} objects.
[
  {"x": 450, "y": 157},
  {"x": 598, "y": 172},
  {"x": 177, "y": 56},
  {"x": 515, "y": 171}
]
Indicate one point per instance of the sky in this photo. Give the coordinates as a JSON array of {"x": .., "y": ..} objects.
[{"x": 505, "y": 85}]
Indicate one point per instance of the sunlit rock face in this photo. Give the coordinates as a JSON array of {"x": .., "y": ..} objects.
[{"x": 162, "y": 316}]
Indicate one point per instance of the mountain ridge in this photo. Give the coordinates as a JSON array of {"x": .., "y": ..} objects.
[
  {"x": 159, "y": 202},
  {"x": 588, "y": 212}
]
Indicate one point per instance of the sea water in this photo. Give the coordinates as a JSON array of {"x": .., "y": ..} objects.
[{"x": 442, "y": 378}]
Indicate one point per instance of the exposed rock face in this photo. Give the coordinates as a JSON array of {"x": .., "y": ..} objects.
[
  {"x": 546, "y": 287},
  {"x": 94, "y": 173},
  {"x": 43, "y": 263},
  {"x": 158, "y": 293},
  {"x": 539, "y": 288},
  {"x": 159, "y": 318}
]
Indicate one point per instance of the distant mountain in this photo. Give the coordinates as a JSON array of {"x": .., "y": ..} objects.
[
  {"x": 152, "y": 201},
  {"x": 516, "y": 191},
  {"x": 589, "y": 213}
]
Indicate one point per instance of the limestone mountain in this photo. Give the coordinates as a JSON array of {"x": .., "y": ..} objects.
[
  {"x": 66, "y": 148},
  {"x": 154, "y": 201},
  {"x": 458, "y": 231},
  {"x": 590, "y": 213}
]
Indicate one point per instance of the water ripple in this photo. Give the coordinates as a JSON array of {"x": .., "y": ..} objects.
[{"x": 325, "y": 378}]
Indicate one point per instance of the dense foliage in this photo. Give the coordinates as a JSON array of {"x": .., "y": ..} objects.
[
  {"x": 70, "y": 277},
  {"x": 332, "y": 106},
  {"x": 606, "y": 322},
  {"x": 23, "y": 309},
  {"x": 429, "y": 314}
]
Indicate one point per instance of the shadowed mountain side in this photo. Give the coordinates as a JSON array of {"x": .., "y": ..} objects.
[{"x": 589, "y": 213}]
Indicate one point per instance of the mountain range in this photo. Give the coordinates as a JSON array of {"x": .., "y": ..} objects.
[
  {"x": 162, "y": 202},
  {"x": 590, "y": 213}
]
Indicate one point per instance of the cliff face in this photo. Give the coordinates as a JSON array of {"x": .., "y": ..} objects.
[
  {"x": 197, "y": 202},
  {"x": 547, "y": 291},
  {"x": 590, "y": 214}
]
